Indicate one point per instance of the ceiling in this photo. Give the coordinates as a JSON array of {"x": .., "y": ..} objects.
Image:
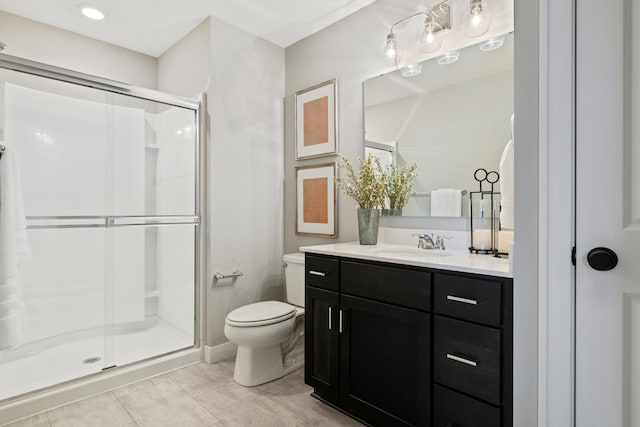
[{"x": 152, "y": 26}]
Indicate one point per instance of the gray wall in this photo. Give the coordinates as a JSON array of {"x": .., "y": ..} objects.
[
  {"x": 184, "y": 69},
  {"x": 243, "y": 77},
  {"x": 44, "y": 43},
  {"x": 350, "y": 50},
  {"x": 246, "y": 172}
]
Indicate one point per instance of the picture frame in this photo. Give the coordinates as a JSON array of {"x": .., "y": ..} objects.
[
  {"x": 316, "y": 120},
  {"x": 316, "y": 200}
]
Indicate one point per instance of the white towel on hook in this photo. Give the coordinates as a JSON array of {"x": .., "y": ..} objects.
[
  {"x": 14, "y": 251},
  {"x": 446, "y": 202}
]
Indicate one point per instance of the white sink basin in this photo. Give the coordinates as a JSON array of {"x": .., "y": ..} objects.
[{"x": 411, "y": 252}]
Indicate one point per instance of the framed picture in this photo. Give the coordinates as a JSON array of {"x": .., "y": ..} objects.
[
  {"x": 315, "y": 121},
  {"x": 316, "y": 200}
]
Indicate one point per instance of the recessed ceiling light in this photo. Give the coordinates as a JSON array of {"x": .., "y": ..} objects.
[{"x": 92, "y": 12}]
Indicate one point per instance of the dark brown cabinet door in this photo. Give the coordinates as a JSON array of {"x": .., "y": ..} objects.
[
  {"x": 384, "y": 363},
  {"x": 321, "y": 343}
]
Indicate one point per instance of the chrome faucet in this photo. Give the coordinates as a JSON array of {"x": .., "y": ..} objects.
[{"x": 427, "y": 241}]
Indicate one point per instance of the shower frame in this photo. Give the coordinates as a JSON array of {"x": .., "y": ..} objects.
[{"x": 68, "y": 391}]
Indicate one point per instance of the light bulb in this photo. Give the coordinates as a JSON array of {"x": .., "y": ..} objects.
[
  {"x": 477, "y": 19},
  {"x": 430, "y": 40},
  {"x": 390, "y": 54}
]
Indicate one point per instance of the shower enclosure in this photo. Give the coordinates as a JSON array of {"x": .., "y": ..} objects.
[{"x": 110, "y": 181}]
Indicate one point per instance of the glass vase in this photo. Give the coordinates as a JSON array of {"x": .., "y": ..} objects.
[{"x": 368, "y": 220}]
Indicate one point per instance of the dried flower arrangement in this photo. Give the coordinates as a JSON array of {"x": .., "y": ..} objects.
[
  {"x": 367, "y": 187},
  {"x": 398, "y": 184}
]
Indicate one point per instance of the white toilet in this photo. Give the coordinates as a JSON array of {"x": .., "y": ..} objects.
[{"x": 267, "y": 332}]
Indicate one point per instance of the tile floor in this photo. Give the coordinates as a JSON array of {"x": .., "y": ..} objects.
[{"x": 198, "y": 395}]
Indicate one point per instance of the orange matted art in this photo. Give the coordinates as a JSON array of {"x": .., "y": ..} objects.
[
  {"x": 315, "y": 121},
  {"x": 316, "y": 200}
]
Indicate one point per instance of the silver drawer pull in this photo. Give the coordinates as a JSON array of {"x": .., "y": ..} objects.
[
  {"x": 340, "y": 324},
  {"x": 461, "y": 359},
  {"x": 463, "y": 300},
  {"x": 330, "y": 316},
  {"x": 317, "y": 273}
]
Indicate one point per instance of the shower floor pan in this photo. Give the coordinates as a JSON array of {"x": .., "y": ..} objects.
[{"x": 84, "y": 356}]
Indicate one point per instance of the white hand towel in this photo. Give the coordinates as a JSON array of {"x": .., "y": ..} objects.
[
  {"x": 446, "y": 202},
  {"x": 14, "y": 251},
  {"x": 506, "y": 187}
]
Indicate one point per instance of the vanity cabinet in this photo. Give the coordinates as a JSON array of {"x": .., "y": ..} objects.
[
  {"x": 396, "y": 345},
  {"x": 364, "y": 355}
]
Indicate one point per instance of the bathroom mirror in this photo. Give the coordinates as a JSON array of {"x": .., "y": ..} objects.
[{"x": 450, "y": 119}]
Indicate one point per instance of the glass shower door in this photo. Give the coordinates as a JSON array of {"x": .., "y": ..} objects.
[
  {"x": 152, "y": 224},
  {"x": 109, "y": 184}
]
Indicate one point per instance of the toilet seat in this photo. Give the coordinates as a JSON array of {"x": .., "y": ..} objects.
[{"x": 260, "y": 314}]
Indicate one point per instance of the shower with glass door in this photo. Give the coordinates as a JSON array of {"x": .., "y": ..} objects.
[{"x": 110, "y": 182}]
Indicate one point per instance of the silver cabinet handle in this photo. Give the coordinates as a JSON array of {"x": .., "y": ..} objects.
[
  {"x": 330, "y": 316},
  {"x": 463, "y": 300},
  {"x": 340, "y": 322},
  {"x": 317, "y": 273},
  {"x": 461, "y": 359}
]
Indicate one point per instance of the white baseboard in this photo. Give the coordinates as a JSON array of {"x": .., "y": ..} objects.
[{"x": 219, "y": 352}]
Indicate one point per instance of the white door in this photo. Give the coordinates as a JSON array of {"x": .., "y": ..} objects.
[{"x": 608, "y": 212}]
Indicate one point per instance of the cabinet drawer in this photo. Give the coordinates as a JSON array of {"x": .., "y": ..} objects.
[
  {"x": 408, "y": 288},
  {"x": 468, "y": 299},
  {"x": 321, "y": 272},
  {"x": 466, "y": 357},
  {"x": 454, "y": 409}
]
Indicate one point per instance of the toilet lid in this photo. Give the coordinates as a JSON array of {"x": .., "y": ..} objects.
[{"x": 261, "y": 313}]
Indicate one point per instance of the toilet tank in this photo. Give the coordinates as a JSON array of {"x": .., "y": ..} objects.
[{"x": 294, "y": 278}]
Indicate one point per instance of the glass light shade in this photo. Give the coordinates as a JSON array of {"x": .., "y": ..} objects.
[
  {"x": 477, "y": 19},
  {"x": 492, "y": 44},
  {"x": 390, "y": 52},
  {"x": 430, "y": 39},
  {"x": 448, "y": 58},
  {"x": 411, "y": 70}
]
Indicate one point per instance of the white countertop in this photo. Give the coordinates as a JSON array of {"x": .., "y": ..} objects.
[{"x": 452, "y": 260}]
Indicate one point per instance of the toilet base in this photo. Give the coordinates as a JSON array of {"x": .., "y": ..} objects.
[{"x": 255, "y": 366}]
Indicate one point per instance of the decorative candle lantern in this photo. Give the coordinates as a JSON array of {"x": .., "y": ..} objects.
[{"x": 485, "y": 214}]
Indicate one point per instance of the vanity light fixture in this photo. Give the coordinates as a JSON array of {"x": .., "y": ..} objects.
[
  {"x": 91, "y": 12},
  {"x": 436, "y": 21},
  {"x": 476, "y": 19},
  {"x": 448, "y": 58},
  {"x": 492, "y": 44}
]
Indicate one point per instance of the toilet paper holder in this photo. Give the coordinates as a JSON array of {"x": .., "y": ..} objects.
[{"x": 220, "y": 276}]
